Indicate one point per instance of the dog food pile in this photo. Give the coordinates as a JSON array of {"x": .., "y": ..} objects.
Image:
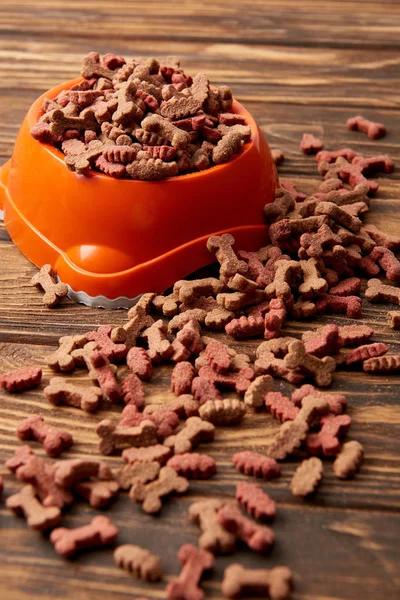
[
  {"x": 142, "y": 119},
  {"x": 319, "y": 249}
]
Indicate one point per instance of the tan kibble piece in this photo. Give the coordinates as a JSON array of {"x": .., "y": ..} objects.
[
  {"x": 393, "y": 318},
  {"x": 277, "y": 156},
  {"x": 151, "y": 169},
  {"x": 307, "y": 477},
  {"x": 189, "y": 290},
  {"x": 60, "y": 391},
  {"x": 139, "y": 561},
  {"x": 195, "y": 431},
  {"x": 159, "y": 347},
  {"x": 230, "y": 144},
  {"x": 53, "y": 292},
  {"x": 98, "y": 493},
  {"x": 217, "y": 318},
  {"x": 237, "y": 300},
  {"x": 71, "y": 471},
  {"x": 214, "y": 537},
  {"x": 221, "y": 246},
  {"x": 91, "y": 67},
  {"x": 378, "y": 292},
  {"x": 286, "y": 273},
  {"x": 292, "y": 433},
  {"x": 179, "y": 321},
  {"x": 61, "y": 359},
  {"x": 81, "y": 163},
  {"x": 129, "y": 332},
  {"x": 349, "y": 459},
  {"x": 114, "y": 437},
  {"x": 275, "y": 583},
  {"x": 313, "y": 284},
  {"x": 242, "y": 284},
  {"x": 279, "y": 208},
  {"x": 228, "y": 411},
  {"x": 128, "y": 107},
  {"x": 256, "y": 391},
  {"x": 142, "y": 472},
  {"x": 157, "y": 124},
  {"x": 60, "y": 121},
  {"x": 243, "y": 130},
  {"x": 178, "y": 107},
  {"x": 200, "y": 160},
  {"x": 320, "y": 369},
  {"x": 167, "y": 305},
  {"x": 38, "y": 517},
  {"x": 82, "y": 356},
  {"x": 150, "y": 494}
]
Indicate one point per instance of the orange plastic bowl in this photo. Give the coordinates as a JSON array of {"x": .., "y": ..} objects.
[{"x": 120, "y": 238}]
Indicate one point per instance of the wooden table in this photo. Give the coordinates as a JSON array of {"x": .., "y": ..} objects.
[{"x": 298, "y": 66}]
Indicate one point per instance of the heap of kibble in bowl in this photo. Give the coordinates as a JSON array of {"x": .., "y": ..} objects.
[{"x": 142, "y": 119}]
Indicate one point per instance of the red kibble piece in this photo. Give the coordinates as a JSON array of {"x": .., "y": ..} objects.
[
  {"x": 352, "y": 175},
  {"x": 139, "y": 363},
  {"x": 132, "y": 390},
  {"x": 231, "y": 119},
  {"x": 373, "y": 130},
  {"x": 166, "y": 153},
  {"x": 383, "y": 239},
  {"x": 21, "y": 457},
  {"x": 112, "y": 61},
  {"x": 165, "y": 421},
  {"x": 274, "y": 319},
  {"x": 347, "y": 287},
  {"x": 182, "y": 377},
  {"x": 256, "y": 502},
  {"x": 280, "y": 406},
  {"x": 218, "y": 356},
  {"x": 239, "y": 380},
  {"x": 104, "y": 375},
  {"x": 194, "y": 562},
  {"x": 21, "y": 379},
  {"x": 326, "y": 343},
  {"x": 204, "y": 390},
  {"x": 350, "y": 305},
  {"x": 100, "y": 532},
  {"x": 256, "y": 465},
  {"x": 257, "y": 537},
  {"x": 102, "y": 338},
  {"x": 41, "y": 475},
  {"x": 337, "y": 402},
  {"x": 245, "y": 328},
  {"x": 375, "y": 164},
  {"x": 354, "y": 335},
  {"x": 54, "y": 440},
  {"x": 288, "y": 185},
  {"x": 326, "y": 441},
  {"x": 330, "y": 157},
  {"x": 190, "y": 335},
  {"x": 387, "y": 261},
  {"x": 367, "y": 351},
  {"x": 193, "y": 465},
  {"x": 310, "y": 144}
]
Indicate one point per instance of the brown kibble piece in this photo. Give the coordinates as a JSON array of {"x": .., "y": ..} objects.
[
  {"x": 349, "y": 459},
  {"x": 53, "y": 292},
  {"x": 54, "y": 440},
  {"x": 257, "y": 390},
  {"x": 339, "y": 215},
  {"x": 138, "y": 320},
  {"x": 228, "y": 411},
  {"x": 101, "y": 371},
  {"x": 310, "y": 144},
  {"x": 195, "y": 431},
  {"x": 337, "y": 402},
  {"x": 189, "y": 290},
  {"x": 256, "y": 465},
  {"x": 40, "y": 474},
  {"x": 21, "y": 379},
  {"x": 60, "y": 391},
  {"x": 151, "y": 169},
  {"x": 68, "y": 473},
  {"x": 114, "y": 437},
  {"x": 98, "y": 493},
  {"x": 139, "y": 561},
  {"x": 157, "y": 124},
  {"x": 194, "y": 562},
  {"x": 286, "y": 274},
  {"x": 393, "y": 319},
  {"x": 21, "y": 457},
  {"x": 258, "y": 537},
  {"x": 159, "y": 347},
  {"x": 382, "y": 364},
  {"x": 279, "y": 208},
  {"x": 184, "y": 406},
  {"x": 354, "y": 335},
  {"x": 256, "y": 502},
  {"x": 320, "y": 369},
  {"x": 100, "y": 532},
  {"x": 214, "y": 538},
  {"x": 230, "y": 144},
  {"x": 157, "y": 453},
  {"x": 62, "y": 359},
  {"x": 307, "y": 477},
  {"x": 378, "y": 292},
  {"x": 37, "y": 516},
  {"x": 277, "y": 156},
  {"x": 238, "y": 381},
  {"x": 91, "y": 67},
  {"x": 221, "y": 246},
  {"x": 150, "y": 494},
  {"x": 136, "y": 472},
  {"x": 275, "y": 583}
]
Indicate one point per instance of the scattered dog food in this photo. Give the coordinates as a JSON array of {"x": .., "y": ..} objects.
[
  {"x": 307, "y": 477},
  {"x": 258, "y": 537},
  {"x": 373, "y": 130},
  {"x": 239, "y": 582},
  {"x": 195, "y": 431},
  {"x": 214, "y": 537},
  {"x": 194, "y": 562},
  {"x": 256, "y": 465},
  {"x": 193, "y": 466},
  {"x": 349, "y": 459},
  {"x": 139, "y": 561},
  {"x": 150, "y": 494},
  {"x": 37, "y": 516},
  {"x": 21, "y": 379},
  {"x": 53, "y": 292},
  {"x": 310, "y": 144},
  {"x": 60, "y": 391},
  {"x": 256, "y": 502},
  {"x": 100, "y": 532},
  {"x": 54, "y": 440}
]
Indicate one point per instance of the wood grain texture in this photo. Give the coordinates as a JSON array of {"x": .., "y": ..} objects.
[{"x": 298, "y": 66}]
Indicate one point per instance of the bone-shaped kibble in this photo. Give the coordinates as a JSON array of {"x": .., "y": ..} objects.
[
  {"x": 221, "y": 246},
  {"x": 320, "y": 369},
  {"x": 292, "y": 433},
  {"x": 151, "y": 169},
  {"x": 214, "y": 538},
  {"x": 228, "y": 411},
  {"x": 383, "y": 239},
  {"x": 97, "y": 493},
  {"x": 387, "y": 261},
  {"x": 314, "y": 243},
  {"x": 257, "y": 390},
  {"x": 68, "y": 473},
  {"x": 101, "y": 371},
  {"x": 159, "y": 347},
  {"x": 307, "y": 477},
  {"x": 104, "y": 343},
  {"x": 277, "y": 210},
  {"x": 21, "y": 379},
  {"x": 129, "y": 332},
  {"x": 239, "y": 380},
  {"x": 150, "y": 494},
  {"x": 142, "y": 472},
  {"x": 195, "y": 431},
  {"x": 53, "y": 292},
  {"x": 339, "y": 215},
  {"x": 37, "y": 516},
  {"x": 228, "y": 146},
  {"x": 194, "y": 562},
  {"x": 190, "y": 337},
  {"x": 286, "y": 273},
  {"x": 337, "y": 402},
  {"x": 128, "y": 107},
  {"x": 312, "y": 284},
  {"x": 349, "y": 459},
  {"x": 60, "y": 391},
  {"x": 275, "y": 583},
  {"x": 378, "y": 292},
  {"x": 54, "y": 440},
  {"x": 326, "y": 441},
  {"x": 41, "y": 475},
  {"x": 81, "y": 163},
  {"x": 373, "y": 130},
  {"x": 157, "y": 124},
  {"x": 256, "y": 502},
  {"x": 139, "y": 561},
  {"x": 286, "y": 228},
  {"x": 257, "y": 537},
  {"x": 114, "y": 437},
  {"x": 100, "y": 532},
  {"x": 274, "y": 319},
  {"x": 91, "y": 67},
  {"x": 62, "y": 359}
]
